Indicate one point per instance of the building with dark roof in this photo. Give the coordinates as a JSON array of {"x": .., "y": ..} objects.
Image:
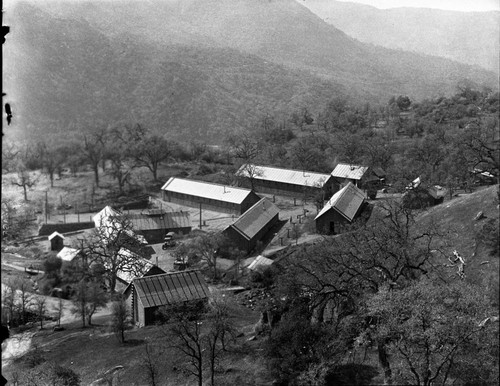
[
  {"x": 155, "y": 226},
  {"x": 340, "y": 210},
  {"x": 253, "y": 225},
  {"x": 287, "y": 182},
  {"x": 147, "y": 294},
  {"x": 216, "y": 197}
]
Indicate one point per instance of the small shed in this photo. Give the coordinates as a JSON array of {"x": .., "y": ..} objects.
[
  {"x": 147, "y": 294},
  {"x": 260, "y": 263},
  {"x": 69, "y": 254},
  {"x": 56, "y": 241},
  {"x": 420, "y": 197},
  {"x": 253, "y": 225},
  {"x": 340, "y": 210}
]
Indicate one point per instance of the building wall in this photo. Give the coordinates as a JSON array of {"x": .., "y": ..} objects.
[
  {"x": 158, "y": 235},
  {"x": 323, "y": 223},
  {"x": 247, "y": 245},
  {"x": 290, "y": 190},
  {"x": 207, "y": 204},
  {"x": 56, "y": 244}
]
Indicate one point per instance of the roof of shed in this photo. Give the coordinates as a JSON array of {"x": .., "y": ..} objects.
[
  {"x": 207, "y": 190},
  {"x": 54, "y": 234},
  {"x": 255, "y": 218},
  {"x": 259, "y": 263},
  {"x": 68, "y": 254},
  {"x": 171, "y": 288},
  {"x": 346, "y": 202},
  {"x": 171, "y": 220},
  {"x": 287, "y": 176},
  {"x": 136, "y": 268},
  {"x": 353, "y": 172},
  {"x": 103, "y": 215}
]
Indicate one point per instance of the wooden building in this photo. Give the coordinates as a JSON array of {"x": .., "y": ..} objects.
[
  {"x": 56, "y": 241},
  {"x": 285, "y": 182},
  {"x": 136, "y": 267},
  {"x": 253, "y": 225},
  {"x": 156, "y": 225},
  {"x": 340, "y": 210},
  {"x": 208, "y": 196},
  {"x": 363, "y": 177},
  {"x": 147, "y": 294}
]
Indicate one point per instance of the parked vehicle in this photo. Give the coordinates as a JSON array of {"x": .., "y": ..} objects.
[{"x": 169, "y": 241}]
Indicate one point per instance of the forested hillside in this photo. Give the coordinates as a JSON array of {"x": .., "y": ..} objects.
[
  {"x": 196, "y": 68},
  {"x": 472, "y": 38}
]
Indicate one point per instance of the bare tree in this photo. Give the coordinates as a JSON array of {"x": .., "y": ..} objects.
[
  {"x": 150, "y": 362},
  {"x": 110, "y": 245},
  {"x": 89, "y": 297},
  {"x": 120, "y": 320},
  {"x": 185, "y": 335},
  {"x": 94, "y": 148},
  {"x": 24, "y": 179},
  {"x": 40, "y": 303}
]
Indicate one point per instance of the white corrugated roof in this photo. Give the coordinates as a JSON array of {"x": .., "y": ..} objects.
[
  {"x": 288, "y": 176},
  {"x": 259, "y": 263},
  {"x": 206, "y": 190},
  {"x": 353, "y": 172},
  {"x": 346, "y": 202},
  {"x": 68, "y": 254}
]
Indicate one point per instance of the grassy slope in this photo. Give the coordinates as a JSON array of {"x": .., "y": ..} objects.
[{"x": 456, "y": 217}]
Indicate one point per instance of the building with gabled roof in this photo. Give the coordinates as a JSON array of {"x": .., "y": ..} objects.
[
  {"x": 154, "y": 227},
  {"x": 345, "y": 173},
  {"x": 340, "y": 210},
  {"x": 56, "y": 241},
  {"x": 253, "y": 225},
  {"x": 147, "y": 294},
  {"x": 279, "y": 181},
  {"x": 216, "y": 197},
  {"x": 69, "y": 254},
  {"x": 136, "y": 267}
]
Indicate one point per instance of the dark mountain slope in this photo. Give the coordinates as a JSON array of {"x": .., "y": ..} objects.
[
  {"x": 65, "y": 75},
  {"x": 282, "y": 31},
  {"x": 468, "y": 37}
]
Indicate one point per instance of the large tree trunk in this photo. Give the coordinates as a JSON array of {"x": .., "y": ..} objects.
[{"x": 96, "y": 174}]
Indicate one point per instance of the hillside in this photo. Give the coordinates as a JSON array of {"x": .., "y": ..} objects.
[
  {"x": 196, "y": 68},
  {"x": 471, "y": 38},
  {"x": 475, "y": 240}
]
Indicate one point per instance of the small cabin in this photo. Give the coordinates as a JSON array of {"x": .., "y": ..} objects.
[{"x": 56, "y": 241}]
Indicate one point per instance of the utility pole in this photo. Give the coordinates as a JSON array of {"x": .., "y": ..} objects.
[
  {"x": 77, "y": 211},
  {"x": 46, "y": 205},
  {"x": 200, "y": 216}
]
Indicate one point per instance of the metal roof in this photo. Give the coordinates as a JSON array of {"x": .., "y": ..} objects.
[
  {"x": 170, "y": 220},
  {"x": 287, "y": 176},
  {"x": 255, "y": 218},
  {"x": 68, "y": 254},
  {"x": 171, "y": 288},
  {"x": 352, "y": 172},
  {"x": 346, "y": 202},
  {"x": 259, "y": 263},
  {"x": 138, "y": 267},
  {"x": 102, "y": 217},
  {"x": 206, "y": 190}
]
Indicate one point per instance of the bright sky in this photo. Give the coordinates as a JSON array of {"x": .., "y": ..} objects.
[{"x": 454, "y": 5}]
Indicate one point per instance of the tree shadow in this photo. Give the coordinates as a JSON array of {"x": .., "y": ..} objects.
[{"x": 133, "y": 342}]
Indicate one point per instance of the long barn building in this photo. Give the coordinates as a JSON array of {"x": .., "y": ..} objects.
[
  {"x": 285, "y": 182},
  {"x": 216, "y": 197}
]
